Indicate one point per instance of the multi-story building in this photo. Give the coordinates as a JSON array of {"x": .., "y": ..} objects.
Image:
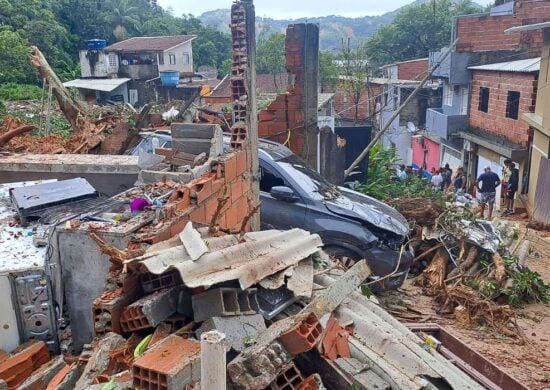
[
  {"x": 129, "y": 70},
  {"x": 485, "y": 85}
]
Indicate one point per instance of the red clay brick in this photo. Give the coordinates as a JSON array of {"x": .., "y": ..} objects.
[
  {"x": 335, "y": 341},
  {"x": 107, "y": 310},
  {"x": 167, "y": 365},
  {"x": 210, "y": 208},
  {"x": 289, "y": 379},
  {"x": 242, "y": 166},
  {"x": 133, "y": 319},
  {"x": 198, "y": 215},
  {"x": 310, "y": 383},
  {"x": 22, "y": 362},
  {"x": 177, "y": 225},
  {"x": 59, "y": 377},
  {"x": 203, "y": 187},
  {"x": 304, "y": 337},
  {"x": 230, "y": 168},
  {"x": 236, "y": 189}
]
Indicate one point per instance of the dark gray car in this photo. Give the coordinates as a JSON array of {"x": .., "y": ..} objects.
[{"x": 352, "y": 226}]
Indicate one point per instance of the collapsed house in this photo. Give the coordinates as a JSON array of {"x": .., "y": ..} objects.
[{"x": 168, "y": 284}]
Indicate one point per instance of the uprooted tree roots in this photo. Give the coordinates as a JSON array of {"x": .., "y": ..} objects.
[
  {"x": 469, "y": 308},
  {"x": 469, "y": 288}
]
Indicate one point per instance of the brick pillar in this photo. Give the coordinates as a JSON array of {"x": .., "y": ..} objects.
[
  {"x": 302, "y": 60},
  {"x": 243, "y": 90}
]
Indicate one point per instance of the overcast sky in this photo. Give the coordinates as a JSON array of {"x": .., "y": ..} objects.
[{"x": 292, "y": 9}]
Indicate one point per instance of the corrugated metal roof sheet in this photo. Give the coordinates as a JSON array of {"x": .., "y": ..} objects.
[
  {"x": 528, "y": 27},
  {"x": 521, "y": 66},
  {"x": 105, "y": 85},
  {"x": 137, "y": 44},
  {"x": 260, "y": 255}
]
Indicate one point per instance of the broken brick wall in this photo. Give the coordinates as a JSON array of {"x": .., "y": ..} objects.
[
  {"x": 344, "y": 104},
  {"x": 228, "y": 184},
  {"x": 292, "y": 116},
  {"x": 477, "y": 33},
  {"x": 495, "y": 120}
]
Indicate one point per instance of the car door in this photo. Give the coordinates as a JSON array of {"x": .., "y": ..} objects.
[{"x": 278, "y": 214}]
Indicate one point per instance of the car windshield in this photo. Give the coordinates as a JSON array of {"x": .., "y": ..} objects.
[{"x": 316, "y": 186}]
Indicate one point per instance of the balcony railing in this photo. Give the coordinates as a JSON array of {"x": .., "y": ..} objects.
[
  {"x": 444, "y": 125},
  {"x": 139, "y": 72}
]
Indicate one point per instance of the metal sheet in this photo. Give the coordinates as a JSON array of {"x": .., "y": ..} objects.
[
  {"x": 104, "y": 85},
  {"x": 249, "y": 262},
  {"x": 520, "y": 66}
]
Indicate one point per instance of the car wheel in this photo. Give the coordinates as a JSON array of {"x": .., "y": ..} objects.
[{"x": 344, "y": 256}]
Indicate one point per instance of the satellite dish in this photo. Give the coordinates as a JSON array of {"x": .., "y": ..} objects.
[{"x": 411, "y": 127}]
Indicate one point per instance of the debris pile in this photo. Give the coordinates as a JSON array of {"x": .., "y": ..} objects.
[
  {"x": 282, "y": 307},
  {"x": 472, "y": 268}
]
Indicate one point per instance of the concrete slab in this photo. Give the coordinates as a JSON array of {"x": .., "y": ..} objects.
[{"x": 109, "y": 174}]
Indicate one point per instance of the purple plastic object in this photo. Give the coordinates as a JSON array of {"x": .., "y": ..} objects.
[{"x": 138, "y": 204}]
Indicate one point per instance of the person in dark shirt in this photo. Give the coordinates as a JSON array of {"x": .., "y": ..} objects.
[
  {"x": 511, "y": 188},
  {"x": 459, "y": 181},
  {"x": 486, "y": 193}
]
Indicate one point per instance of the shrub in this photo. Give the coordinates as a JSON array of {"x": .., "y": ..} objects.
[{"x": 13, "y": 91}]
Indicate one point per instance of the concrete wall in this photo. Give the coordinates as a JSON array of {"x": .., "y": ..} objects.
[
  {"x": 422, "y": 145},
  {"x": 540, "y": 149},
  {"x": 96, "y": 63},
  {"x": 444, "y": 125},
  {"x": 486, "y": 33},
  {"x": 178, "y": 52},
  {"x": 453, "y": 68},
  {"x": 139, "y": 72},
  {"x": 121, "y": 90},
  {"x": 495, "y": 120}
]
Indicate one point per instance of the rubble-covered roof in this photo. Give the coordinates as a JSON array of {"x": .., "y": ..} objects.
[
  {"x": 150, "y": 43},
  {"x": 104, "y": 85},
  {"x": 520, "y": 66},
  {"x": 17, "y": 251}
]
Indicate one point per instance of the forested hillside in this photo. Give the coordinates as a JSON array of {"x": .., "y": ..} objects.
[{"x": 61, "y": 27}]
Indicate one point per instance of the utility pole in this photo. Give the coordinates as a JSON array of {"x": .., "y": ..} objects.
[{"x": 377, "y": 137}]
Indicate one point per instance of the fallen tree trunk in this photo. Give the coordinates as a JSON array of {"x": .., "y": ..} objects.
[
  {"x": 5, "y": 138},
  {"x": 71, "y": 108}
]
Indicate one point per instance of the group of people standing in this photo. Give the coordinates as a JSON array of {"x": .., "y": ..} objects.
[
  {"x": 485, "y": 185},
  {"x": 488, "y": 182},
  {"x": 444, "y": 180}
]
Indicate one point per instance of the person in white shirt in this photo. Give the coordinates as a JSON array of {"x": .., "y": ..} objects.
[{"x": 437, "y": 179}]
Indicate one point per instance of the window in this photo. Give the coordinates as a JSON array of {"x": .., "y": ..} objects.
[
  {"x": 269, "y": 179},
  {"x": 186, "y": 58},
  {"x": 512, "y": 105},
  {"x": 112, "y": 59},
  {"x": 447, "y": 95},
  {"x": 483, "y": 99},
  {"x": 161, "y": 58},
  {"x": 172, "y": 58}
]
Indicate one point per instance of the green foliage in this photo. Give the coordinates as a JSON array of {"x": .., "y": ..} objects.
[
  {"x": 270, "y": 56},
  {"x": 14, "y": 58},
  {"x": 354, "y": 72},
  {"x": 13, "y": 91},
  {"x": 381, "y": 183},
  {"x": 328, "y": 72},
  {"x": 529, "y": 287},
  {"x": 3, "y": 110},
  {"x": 416, "y": 30},
  {"x": 61, "y": 27}
]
